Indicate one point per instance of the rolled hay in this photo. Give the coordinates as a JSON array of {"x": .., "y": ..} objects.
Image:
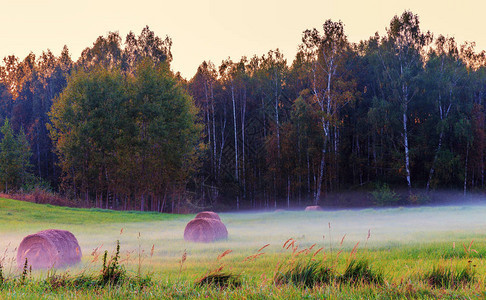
[
  {"x": 208, "y": 215},
  {"x": 205, "y": 230},
  {"x": 49, "y": 248},
  {"x": 313, "y": 208}
]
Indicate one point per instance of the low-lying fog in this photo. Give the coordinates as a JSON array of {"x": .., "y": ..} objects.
[{"x": 250, "y": 231}]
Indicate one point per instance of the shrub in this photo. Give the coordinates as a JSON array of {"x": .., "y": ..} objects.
[
  {"x": 418, "y": 199},
  {"x": 384, "y": 196}
]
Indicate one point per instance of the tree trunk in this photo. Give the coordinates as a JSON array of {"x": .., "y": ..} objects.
[
  {"x": 407, "y": 155},
  {"x": 236, "y": 144},
  {"x": 321, "y": 176},
  {"x": 465, "y": 170},
  {"x": 432, "y": 168}
]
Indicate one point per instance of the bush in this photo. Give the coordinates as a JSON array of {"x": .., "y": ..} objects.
[
  {"x": 418, "y": 199},
  {"x": 384, "y": 196}
]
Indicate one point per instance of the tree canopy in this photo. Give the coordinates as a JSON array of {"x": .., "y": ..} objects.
[{"x": 116, "y": 128}]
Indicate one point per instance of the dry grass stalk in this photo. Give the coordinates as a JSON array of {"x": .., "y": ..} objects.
[
  {"x": 263, "y": 247},
  {"x": 181, "y": 262},
  {"x": 318, "y": 250},
  {"x": 291, "y": 239},
  {"x": 253, "y": 257},
  {"x": 224, "y": 254},
  {"x": 342, "y": 240},
  {"x": 355, "y": 249}
]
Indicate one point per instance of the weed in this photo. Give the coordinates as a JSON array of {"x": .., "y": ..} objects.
[
  {"x": 25, "y": 271},
  {"x": 54, "y": 282},
  {"x": 112, "y": 273}
]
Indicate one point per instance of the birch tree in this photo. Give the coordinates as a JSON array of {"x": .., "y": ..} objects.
[
  {"x": 401, "y": 57},
  {"x": 327, "y": 54}
]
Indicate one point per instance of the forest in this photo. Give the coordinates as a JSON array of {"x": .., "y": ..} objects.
[{"x": 116, "y": 128}]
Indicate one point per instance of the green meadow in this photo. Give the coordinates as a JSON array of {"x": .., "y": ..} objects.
[{"x": 402, "y": 246}]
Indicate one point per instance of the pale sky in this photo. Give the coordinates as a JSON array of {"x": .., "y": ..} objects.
[{"x": 215, "y": 29}]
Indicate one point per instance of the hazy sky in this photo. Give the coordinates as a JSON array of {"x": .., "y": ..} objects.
[{"x": 215, "y": 29}]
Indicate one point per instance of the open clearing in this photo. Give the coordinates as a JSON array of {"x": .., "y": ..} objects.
[{"x": 404, "y": 242}]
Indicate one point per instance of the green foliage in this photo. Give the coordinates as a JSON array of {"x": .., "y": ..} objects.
[
  {"x": 14, "y": 157},
  {"x": 33, "y": 183},
  {"x": 384, "y": 196},
  {"x": 134, "y": 134},
  {"x": 448, "y": 277},
  {"x": 418, "y": 198},
  {"x": 338, "y": 117}
]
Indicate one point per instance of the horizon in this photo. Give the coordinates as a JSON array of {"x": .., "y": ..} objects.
[{"x": 206, "y": 32}]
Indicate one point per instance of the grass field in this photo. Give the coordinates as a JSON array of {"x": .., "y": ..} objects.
[{"x": 403, "y": 245}]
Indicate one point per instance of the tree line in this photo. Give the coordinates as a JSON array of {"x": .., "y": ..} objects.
[{"x": 118, "y": 129}]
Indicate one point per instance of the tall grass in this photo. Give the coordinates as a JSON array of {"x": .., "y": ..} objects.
[{"x": 450, "y": 277}]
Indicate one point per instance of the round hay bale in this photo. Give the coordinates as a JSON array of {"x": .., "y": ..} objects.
[
  {"x": 313, "y": 208},
  {"x": 49, "y": 248},
  {"x": 208, "y": 215},
  {"x": 205, "y": 230}
]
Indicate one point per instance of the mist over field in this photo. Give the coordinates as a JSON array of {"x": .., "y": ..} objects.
[{"x": 249, "y": 231}]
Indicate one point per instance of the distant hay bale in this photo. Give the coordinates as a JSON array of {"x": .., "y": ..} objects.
[
  {"x": 313, "y": 208},
  {"x": 208, "y": 215},
  {"x": 49, "y": 248},
  {"x": 205, "y": 230}
]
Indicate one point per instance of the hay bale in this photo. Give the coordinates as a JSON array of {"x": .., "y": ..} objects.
[
  {"x": 208, "y": 215},
  {"x": 313, "y": 208},
  {"x": 49, "y": 248},
  {"x": 205, "y": 230}
]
